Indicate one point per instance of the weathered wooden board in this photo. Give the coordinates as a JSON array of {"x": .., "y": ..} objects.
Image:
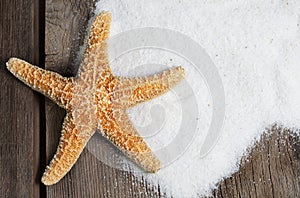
[
  {"x": 271, "y": 170},
  {"x": 19, "y": 105},
  {"x": 66, "y": 24}
]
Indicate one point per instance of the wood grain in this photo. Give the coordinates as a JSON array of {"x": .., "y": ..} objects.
[
  {"x": 19, "y": 105},
  {"x": 272, "y": 168},
  {"x": 66, "y": 20}
]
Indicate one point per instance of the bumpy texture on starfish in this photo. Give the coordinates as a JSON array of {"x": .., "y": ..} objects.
[{"x": 95, "y": 100}]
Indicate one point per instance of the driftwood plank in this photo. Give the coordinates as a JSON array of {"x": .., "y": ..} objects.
[
  {"x": 272, "y": 168},
  {"x": 66, "y": 24},
  {"x": 19, "y": 105}
]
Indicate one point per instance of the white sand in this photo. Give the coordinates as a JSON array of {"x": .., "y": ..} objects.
[{"x": 255, "y": 46}]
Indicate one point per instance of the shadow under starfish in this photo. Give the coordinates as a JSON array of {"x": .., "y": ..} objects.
[{"x": 96, "y": 100}]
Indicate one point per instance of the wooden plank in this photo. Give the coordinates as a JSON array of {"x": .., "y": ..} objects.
[
  {"x": 66, "y": 25},
  {"x": 19, "y": 105},
  {"x": 271, "y": 170}
]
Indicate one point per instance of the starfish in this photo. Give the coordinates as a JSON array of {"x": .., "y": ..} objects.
[{"x": 96, "y": 100}]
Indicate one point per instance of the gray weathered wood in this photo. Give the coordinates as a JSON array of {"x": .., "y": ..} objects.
[
  {"x": 272, "y": 168},
  {"x": 19, "y": 107}
]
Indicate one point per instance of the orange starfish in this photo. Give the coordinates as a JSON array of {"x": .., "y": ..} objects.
[{"x": 95, "y": 100}]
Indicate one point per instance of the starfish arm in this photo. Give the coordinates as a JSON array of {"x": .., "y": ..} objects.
[
  {"x": 95, "y": 59},
  {"x": 118, "y": 129},
  {"x": 131, "y": 91},
  {"x": 51, "y": 84},
  {"x": 99, "y": 30},
  {"x": 95, "y": 65},
  {"x": 70, "y": 147}
]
